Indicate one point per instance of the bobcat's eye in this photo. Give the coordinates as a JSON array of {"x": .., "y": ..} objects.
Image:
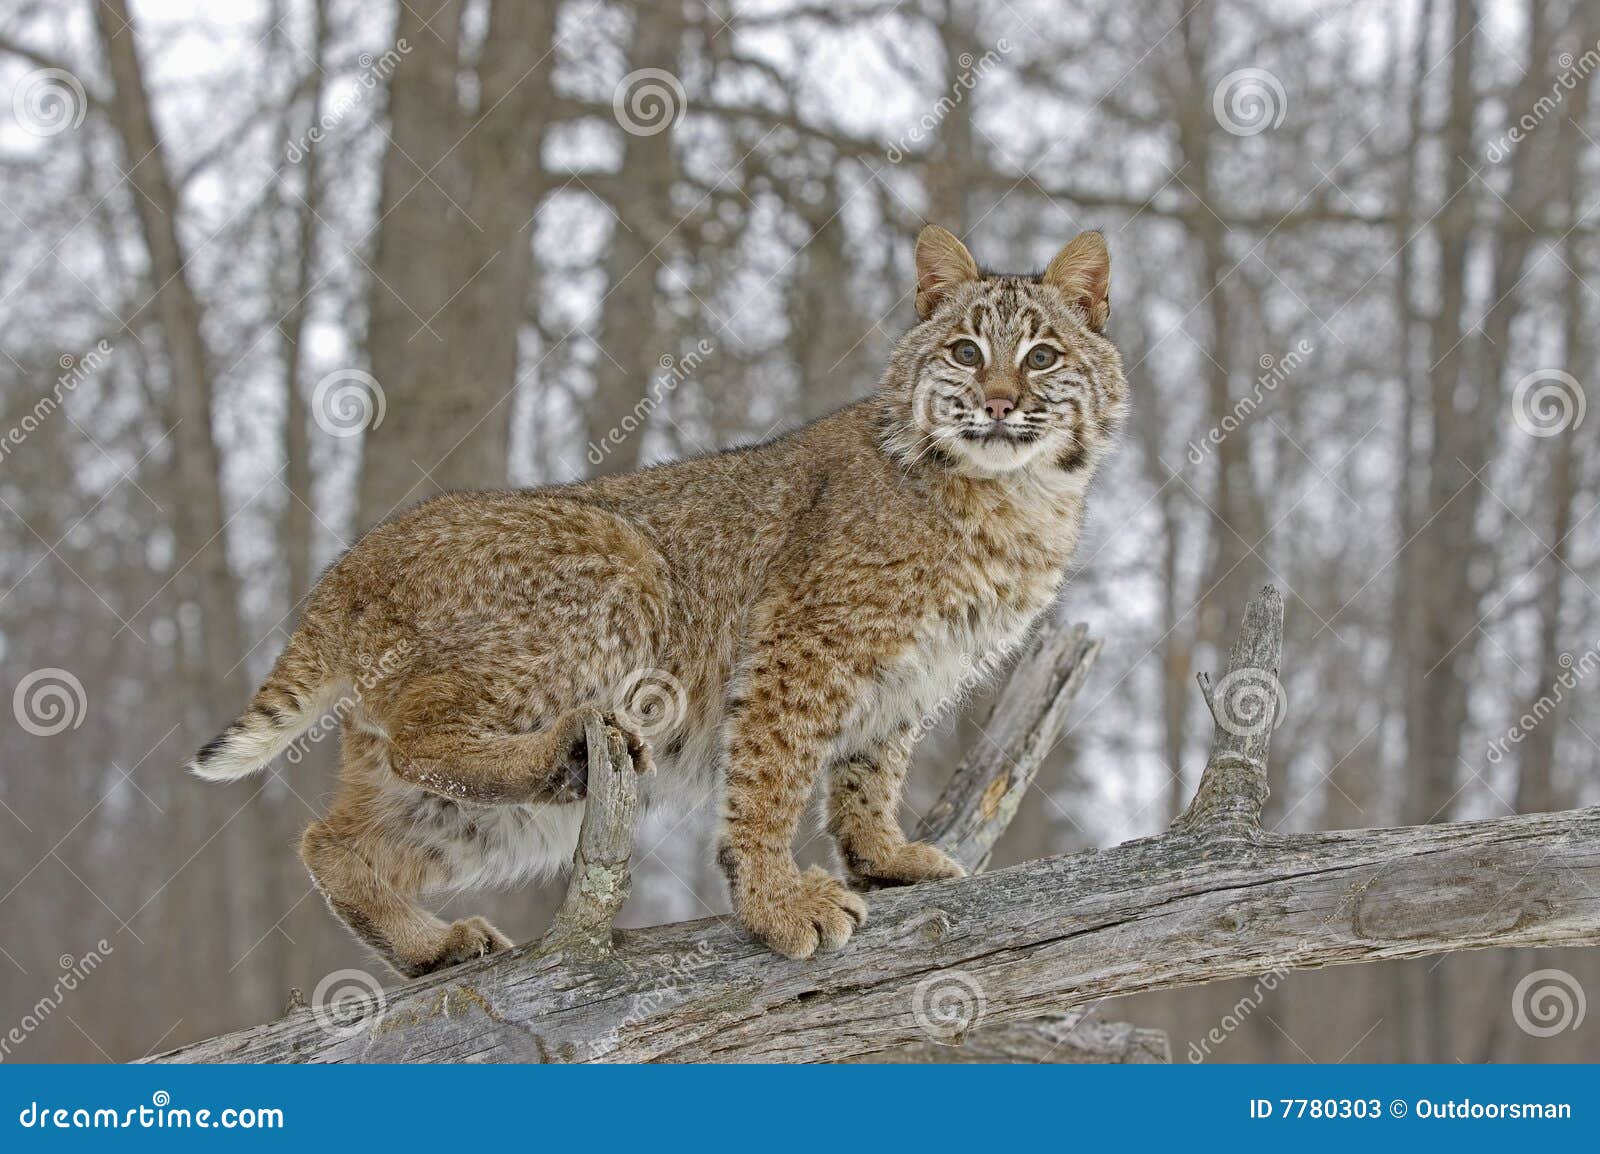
[
  {"x": 1042, "y": 357},
  {"x": 967, "y": 353}
]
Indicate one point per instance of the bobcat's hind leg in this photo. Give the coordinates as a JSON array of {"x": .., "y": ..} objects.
[
  {"x": 863, "y": 806},
  {"x": 368, "y": 881}
]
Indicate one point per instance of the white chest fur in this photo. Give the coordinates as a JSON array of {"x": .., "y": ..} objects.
[
  {"x": 929, "y": 681},
  {"x": 964, "y": 642}
]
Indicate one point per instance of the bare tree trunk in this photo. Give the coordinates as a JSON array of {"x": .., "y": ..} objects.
[
  {"x": 951, "y": 169},
  {"x": 432, "y": 420},
  {"x": 1436, "y": 692},
  {"x": 296, "y": 527},
  {"x": 1230, "y": 573},
  {"x": 205, "y": 574},
  {"x": 629, "y": 331},
  {"x": 216, "y": 682}
]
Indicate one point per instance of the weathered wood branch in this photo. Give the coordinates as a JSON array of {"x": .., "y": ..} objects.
[
  {"x": 1075, "y": 1038},
  {"x": 1214, "y": 898},
  {"x": 1024, "y": 725},
  {"x": 1246, "y": 706},
  {"x": 1036, "y": 938},
  {"x": 600, "y": 879}
]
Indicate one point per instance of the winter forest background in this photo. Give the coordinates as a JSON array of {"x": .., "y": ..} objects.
[{"x": 269, "y": 271}]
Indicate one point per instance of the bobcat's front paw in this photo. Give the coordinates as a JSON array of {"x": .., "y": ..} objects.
[
  {"x": 571, "y": 782},
  {"x": 908, "y": 863},
  {"x": 801, "y": 913}
]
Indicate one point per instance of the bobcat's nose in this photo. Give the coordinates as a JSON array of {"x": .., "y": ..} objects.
[{"x": 998, "y": 407}]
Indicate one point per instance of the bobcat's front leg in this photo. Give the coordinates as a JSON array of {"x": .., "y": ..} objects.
[
  {"x": 778, "y": 737},
  {"x": 863, "y": 806}
]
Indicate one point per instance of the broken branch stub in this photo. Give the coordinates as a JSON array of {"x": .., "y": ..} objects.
[
  {"x": 1025, "y": 724},
  {"x": 600, "y": 878},
  {"x": 1246, "y": 704}
]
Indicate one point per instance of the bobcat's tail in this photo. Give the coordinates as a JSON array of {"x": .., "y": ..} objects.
[{"x": 297, "y": 691}]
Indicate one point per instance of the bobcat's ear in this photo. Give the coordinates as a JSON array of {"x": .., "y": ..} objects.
[
  {"x": 943, "y": 262},
  {"x": 1082, "y": 271}
]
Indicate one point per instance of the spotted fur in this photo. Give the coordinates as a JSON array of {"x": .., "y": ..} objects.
[{"x": 802, "y": 606}]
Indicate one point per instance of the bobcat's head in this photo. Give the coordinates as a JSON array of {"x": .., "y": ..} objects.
[{"x": 1006, "y": 373}]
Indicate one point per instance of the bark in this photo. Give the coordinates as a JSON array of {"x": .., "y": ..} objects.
[
  {"x": 1056, "y": 1039},
  {"x": 1214, "y": 898}
]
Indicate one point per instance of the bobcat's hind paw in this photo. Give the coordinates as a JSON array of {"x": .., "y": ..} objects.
[
  {"x": 462, "y": 941},
  {"x": 907, "y": 864}
]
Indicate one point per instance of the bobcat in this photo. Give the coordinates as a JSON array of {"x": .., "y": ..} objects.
[{"x": 749, "y": 620}]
